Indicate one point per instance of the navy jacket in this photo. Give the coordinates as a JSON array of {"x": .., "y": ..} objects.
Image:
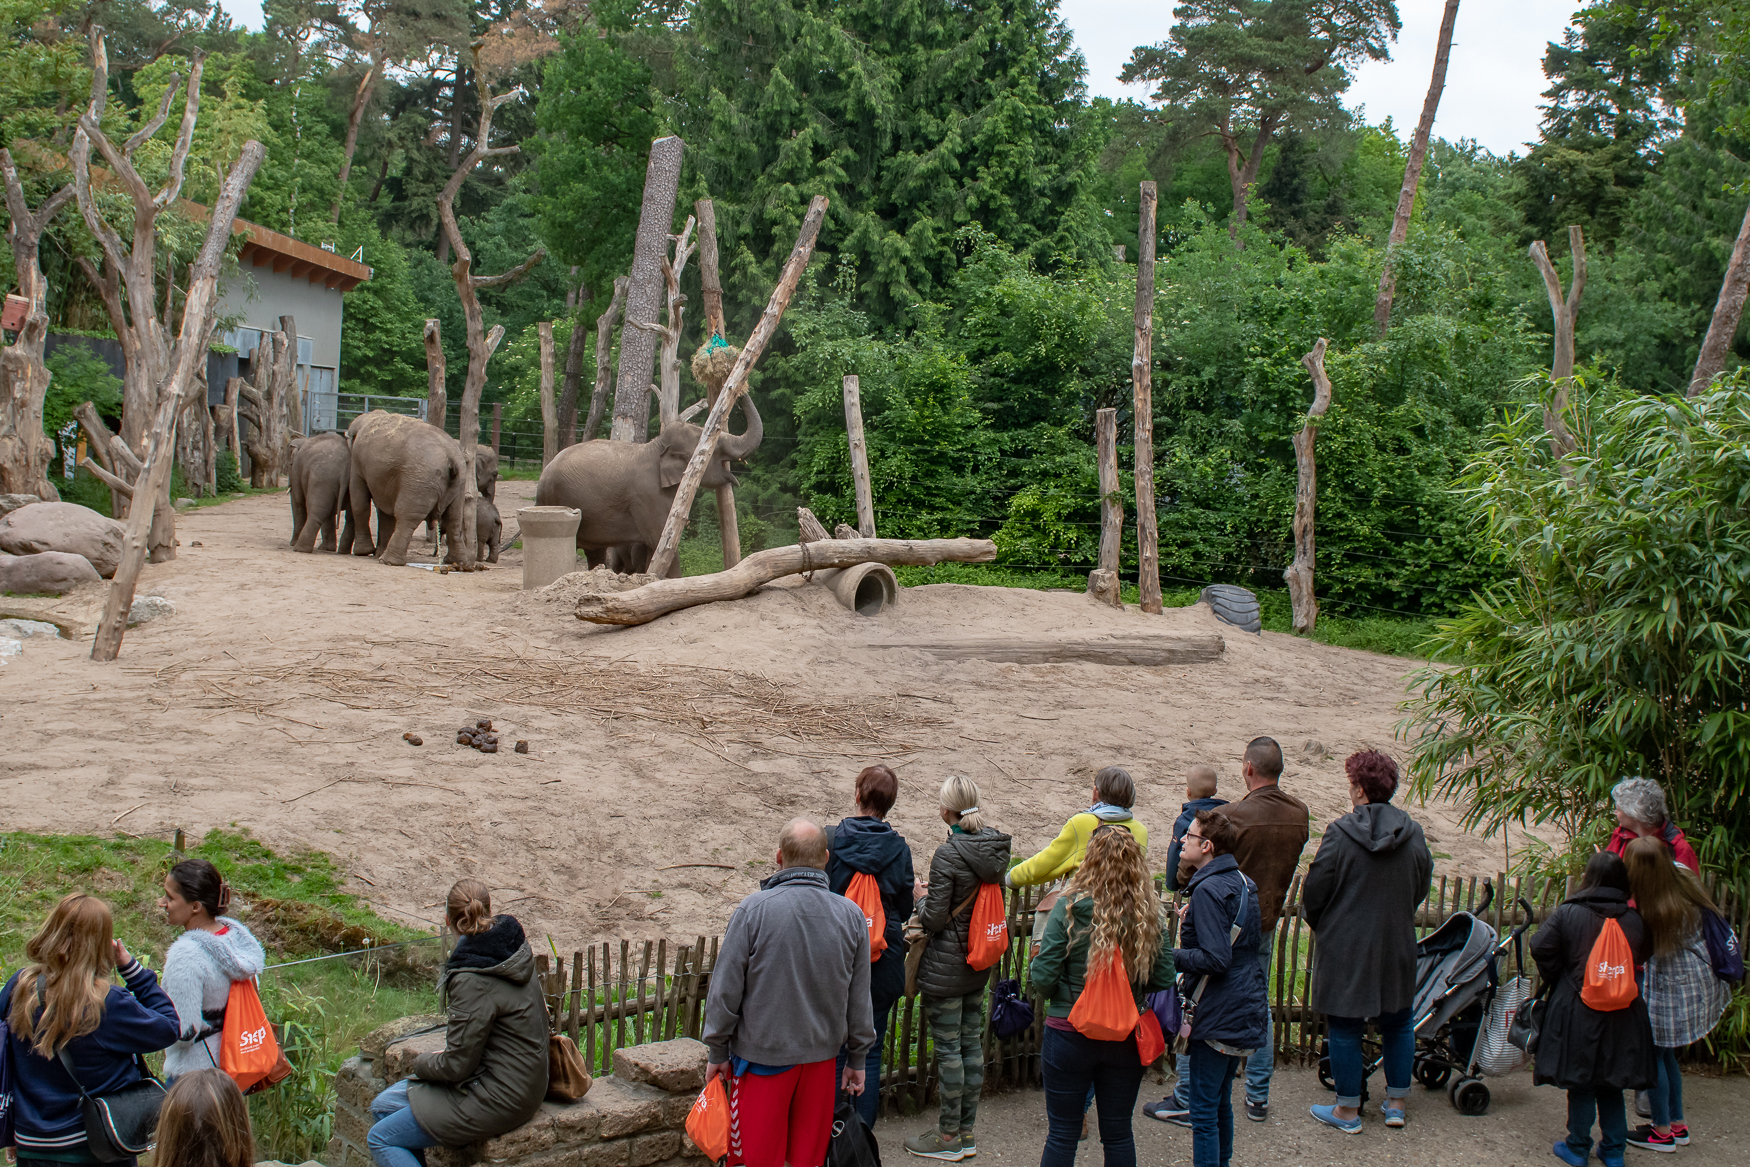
[
  {"x": 1234, "y": 1004},
  {"x": 870, "y": 845},
  {"x": 136, "y": 1020},
  {"x": 1180, "y": 826}
]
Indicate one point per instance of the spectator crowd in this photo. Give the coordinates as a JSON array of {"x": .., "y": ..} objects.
[{"x": 811, "y": 964}]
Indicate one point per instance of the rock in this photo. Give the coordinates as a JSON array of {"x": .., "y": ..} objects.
[
  {"x": 672, "y": 1066},
  {"x": 11, "y": 502},
  {"x": 64, "y": 526},
  {"x": 9, "y": 648},
  {"x": 149, "y": 608},
  {"x": 398, "y": 1059},
  {"x": 379, "y": 1039},
  {"x": 46, "y": 573},
  {"x": 182, "y": 504},
  {"x": 626, "y": 1108},
  {"x": 1315, "y": 750},
  {"x": 25, "y": 629}
]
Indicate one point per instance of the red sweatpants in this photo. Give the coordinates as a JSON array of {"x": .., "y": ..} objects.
[{"x": 780, "y": 1118}]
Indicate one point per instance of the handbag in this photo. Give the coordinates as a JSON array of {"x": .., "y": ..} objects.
[
  {"x": 852, "y": 1143},
  {"x": 1010, "y": 1015},
  {"x": 1522, "y": 1031},
  {"x": 567, "y": 1077},
  {"x": 120, "y": 1125},
  {"x": 918, "y": 940}
]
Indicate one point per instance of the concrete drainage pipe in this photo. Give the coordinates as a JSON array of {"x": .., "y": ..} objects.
[{"x": 866, "y": 589}]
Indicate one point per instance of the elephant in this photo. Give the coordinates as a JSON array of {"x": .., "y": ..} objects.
[
  {"x": 408, "y": 469},
  {"x": 487, "y": 529},
  {"x": 485, "y": 481},
  {"x": 625, "y": 489},
  {"x": 321, "y": 473}
]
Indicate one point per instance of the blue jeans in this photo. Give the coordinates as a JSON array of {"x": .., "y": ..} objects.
[
  {"x": 1072, "y": 1063},
  {"x": 1666, "y": 1098},
  {"x": 1259, "y": 1067},
  {"x": 397, "y": 1139},
  {"x": 1212, "y": 1105},
  {"x": 1604, "y": 1104},
  {"x": 869, "y": 1101},
  {"x": 1349, "y": 1068}
]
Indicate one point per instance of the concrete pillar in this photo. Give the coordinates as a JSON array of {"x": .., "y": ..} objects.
[{"x": 549, "y": 543}]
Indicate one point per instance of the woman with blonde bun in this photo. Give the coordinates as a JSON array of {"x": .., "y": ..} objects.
[{"x": 491, "y": 1074}]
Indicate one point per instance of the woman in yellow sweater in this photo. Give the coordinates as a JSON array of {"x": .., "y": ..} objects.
[{"x": 1114, "y": 795}]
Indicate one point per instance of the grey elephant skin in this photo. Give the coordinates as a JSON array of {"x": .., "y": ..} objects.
[
  {"x": 625, "y": 489},
  {"x": 321, "y": 473},
  {"x": 488, "y": 530},
  {"x": 408, "y": 470}
]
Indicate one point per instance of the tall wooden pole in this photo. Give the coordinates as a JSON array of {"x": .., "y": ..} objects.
[
  {"x": 1400, "y": 224},
  {"x": 1299, "y": 574},
  {"x": 662, "y": 559},
  {"x": 437, "y": 398},
  {"x": 549, "y": 407},
  {"x": 859, "y": 458},
  {"x": 1103, "y": 580},
  {"x": 1564, "y": 311},
  {"x": 711, "y": 291},
  {"x": 1148, "y": 558},
  {"x": 1728, "y": 310},
  {"x": 604, "y": 357},
  {"x": 662, "y": 181}
]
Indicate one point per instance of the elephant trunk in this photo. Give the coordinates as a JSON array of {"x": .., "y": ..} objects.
[{"x": 736, "y": 447}]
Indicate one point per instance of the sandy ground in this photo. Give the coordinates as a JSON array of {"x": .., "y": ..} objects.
[
  {"x": 276, "y": 697},
  {"x": 1517, "y": 1131}
]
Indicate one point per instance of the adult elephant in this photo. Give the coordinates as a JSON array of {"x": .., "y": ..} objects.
[
  {"x": 409, "y": 470},
  {"x": 625, "y": 489},
  {"x": 321, "y": 473}
]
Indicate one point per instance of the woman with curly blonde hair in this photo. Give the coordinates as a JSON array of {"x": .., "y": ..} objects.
[{"x": 1110, "y": 910}]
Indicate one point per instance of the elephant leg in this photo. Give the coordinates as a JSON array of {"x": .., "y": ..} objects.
[
  {"x": 297, "y": 518},
  {"x": 595, "y": 557},
  {"x": 305, "y": 543},
  {"x": 386, "y": 527},
  {"x": 491, "y": 551},
  {"x": 346, "y": 535},
  {"x": 358, "y": 497},
  {"x": 402, "y": 530},
  {"x": 452, "y": 526}
]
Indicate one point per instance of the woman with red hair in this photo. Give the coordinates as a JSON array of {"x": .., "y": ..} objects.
[{"x": 1360, "y": 896}]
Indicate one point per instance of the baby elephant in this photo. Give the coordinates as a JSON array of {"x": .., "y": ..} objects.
[{"x": 487, "y": 530}]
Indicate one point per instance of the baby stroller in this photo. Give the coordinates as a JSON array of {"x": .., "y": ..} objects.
[{"x": 1457, "y": 976}]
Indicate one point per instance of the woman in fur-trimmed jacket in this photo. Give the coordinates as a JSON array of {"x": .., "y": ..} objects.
[{"x": 213, "y": 952}]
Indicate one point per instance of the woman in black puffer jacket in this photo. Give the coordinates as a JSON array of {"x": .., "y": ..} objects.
[{"x": 973, "y": 855}]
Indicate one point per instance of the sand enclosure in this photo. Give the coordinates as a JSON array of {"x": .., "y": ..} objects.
[{"x": 277, "y": 695}]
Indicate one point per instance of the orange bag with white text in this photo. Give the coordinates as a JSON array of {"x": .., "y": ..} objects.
[
  {"x": 1609, "y": 985},
  {"x": 987, "y": 937},
  {"x": 866, "y": 894},
  {"x": 248, "y": 1051},
  {"x": 1106, "y": 1010},
  {"x": 708, "y": 1121}
]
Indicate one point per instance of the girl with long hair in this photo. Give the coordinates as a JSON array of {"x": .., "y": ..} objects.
[
  {"x": 1684, "y": 998},
  {"x": 204, "y": 1123},
  {"x": 213, "y": 951},
  {"x": 1109, "y": 910},
  {"x": 63, "y": 1005}
]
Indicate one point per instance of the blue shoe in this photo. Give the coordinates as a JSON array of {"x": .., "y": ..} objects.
[
  {"x": 1613, "y": 1161},
  {"x": 1567, "y": 1154},
  {"x": 1349, "y": 1126}
]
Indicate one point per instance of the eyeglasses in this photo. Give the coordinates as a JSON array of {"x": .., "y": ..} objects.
[{"x": 1190, "y": 835}]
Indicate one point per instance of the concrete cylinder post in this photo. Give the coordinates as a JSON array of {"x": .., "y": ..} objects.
[{"x": 549, "y": 543}]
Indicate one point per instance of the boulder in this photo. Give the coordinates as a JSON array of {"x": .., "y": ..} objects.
[
  {"x": 379, "y": 1039},
  {"x": 673, "y": 1066},
  {"x": 64, "y": 526},
  {"x": 149, "y": 608},
  {"x": 46, "y": 573},
  {"x": 398, "y": 1059},
  {"x": 11, "y": 502}
]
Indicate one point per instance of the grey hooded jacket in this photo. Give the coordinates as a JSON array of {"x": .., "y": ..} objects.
[{"x": 198, "y": 971}]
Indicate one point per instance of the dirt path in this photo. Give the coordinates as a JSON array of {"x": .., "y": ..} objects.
[{"x": 275, "y": 699}]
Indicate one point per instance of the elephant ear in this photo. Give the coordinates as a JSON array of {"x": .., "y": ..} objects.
[{"x": 672, "y": 463}]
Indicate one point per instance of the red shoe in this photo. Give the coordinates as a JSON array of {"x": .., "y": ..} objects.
[{"x": 1680, "y": 1133}]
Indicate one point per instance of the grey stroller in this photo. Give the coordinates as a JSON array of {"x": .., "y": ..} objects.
[{"x": 1456, "y": 977}]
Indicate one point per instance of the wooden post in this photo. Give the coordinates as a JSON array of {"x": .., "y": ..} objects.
[
  {"x": 437, "y": 398},
  {"x": 1103, "y": 581},
  {"x": 470, "y": 435},
  {"x": 1300, "y": 573},
  {"x": 604, "y": 352},
  {"x": 668, "y": 394},
  {"x": 662, "y": 559},
  {"x": 25, "y": 450},
  {"x": 1728, "y": 310},
  {"x": 859, "y": 457},
  {"x": 1564, "y": 310},
  {"x": 1400, "y": 224},
  {"x": 710, "y": 279},
  {"x": 497, "y": 425},
  {"x": 662, "y": 180},
  {"x": 549, "y": 408},
  {"x": 1148, "y": 558}
]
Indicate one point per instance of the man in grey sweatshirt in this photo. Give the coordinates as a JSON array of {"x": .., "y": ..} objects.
[{"x": 790, "y": 987}]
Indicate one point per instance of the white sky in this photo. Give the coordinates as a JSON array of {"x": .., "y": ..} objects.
[
  {"x": 1494, "y": 82},
  {"x": 1493, "y": 85}
]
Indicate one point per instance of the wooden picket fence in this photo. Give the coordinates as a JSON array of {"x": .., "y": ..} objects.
[{"x": 621, "y": 993}]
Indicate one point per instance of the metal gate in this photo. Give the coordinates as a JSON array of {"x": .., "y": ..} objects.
[{"x": 328, "y": 409}]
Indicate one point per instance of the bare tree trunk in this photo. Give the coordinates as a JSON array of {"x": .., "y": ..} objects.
[
  {"x": 191, "y": 350},
  {"x": 859, "y": 457},
  {"x": 1400, "y": 224},
  {"x": 263, "y": 407},
  {"x": 604, "y": 351},
  {"x": 662, "y": 558},
  {"x": 710, "y": 279},
  {"x": 361, "y": 97},
  {"x": 1148, "y": 555},
  {"x": 1564, "y": 310},
  {"x": 437, "y": 398},
  {"x": 1304, "y": 603},
  {"x": 549, "y": 408},
  {"x": 1242, "y": 176},
  {"x": 668, "y": 394},
  {"x": 25, "y": 450},
  {"x": 292, "y": 393},
  {"x": 573, "y": 379},
  {"x": 1103, "y": 583},
  {"x": 1728, "y": 311},
  {"x": 638, "y": 347},
  {"x": 455, "y": 158}
]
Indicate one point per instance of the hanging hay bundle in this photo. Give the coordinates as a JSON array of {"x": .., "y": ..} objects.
[{"x": 712, "y": 363}]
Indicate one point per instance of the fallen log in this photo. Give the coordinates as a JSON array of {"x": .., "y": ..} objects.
[
  {"x": 641, "y": 605},
  {"x": 1140, "y": 650}
]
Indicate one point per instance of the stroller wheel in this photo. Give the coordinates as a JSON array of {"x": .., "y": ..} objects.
[
  {"x": 1325, "y": 1079},
  {"x": 1469, "y": 1096},
  {"x": 1432, "y": 1074}
]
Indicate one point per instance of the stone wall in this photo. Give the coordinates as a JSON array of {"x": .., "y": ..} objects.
[{"x": 634, "y": 1117}]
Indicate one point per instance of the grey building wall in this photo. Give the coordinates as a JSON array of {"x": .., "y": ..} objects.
[{"x": 260, "y": 296}]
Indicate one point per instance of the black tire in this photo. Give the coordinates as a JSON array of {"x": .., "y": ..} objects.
[
  {"x": 1325, "y": 1079},
  {"x": 1470, "y": 1096},
  {"x": 1433, "y": 1075},
  {"x": 1233, "y": 605}
]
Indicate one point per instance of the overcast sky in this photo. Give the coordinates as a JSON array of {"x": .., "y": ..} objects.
[{"x": 1493, "y": 86}]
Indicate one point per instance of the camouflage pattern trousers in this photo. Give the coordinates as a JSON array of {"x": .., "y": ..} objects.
[{"x": 957, "y": 1027}]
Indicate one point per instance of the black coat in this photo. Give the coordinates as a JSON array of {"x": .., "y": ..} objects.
[
  {"x": 1360, "y": 896},
  {"x": 956, "y": 870},
  {"x": 1235, "y": 1002},
  {"x": 1579, "y": 1048},
  {"x": 869, "y": 845}
]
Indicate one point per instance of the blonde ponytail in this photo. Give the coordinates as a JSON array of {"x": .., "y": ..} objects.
[
  {"x": 470, "y": 907},
  {"x": 960, "y": 797}
]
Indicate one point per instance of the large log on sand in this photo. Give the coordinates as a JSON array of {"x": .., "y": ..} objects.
[{"x": 643, "y": 604}]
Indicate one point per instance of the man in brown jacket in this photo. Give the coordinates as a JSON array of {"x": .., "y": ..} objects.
[{"x": 1272, "y": 826}]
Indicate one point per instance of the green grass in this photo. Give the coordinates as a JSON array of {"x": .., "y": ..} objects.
[{"x": 297, "y": 907}]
